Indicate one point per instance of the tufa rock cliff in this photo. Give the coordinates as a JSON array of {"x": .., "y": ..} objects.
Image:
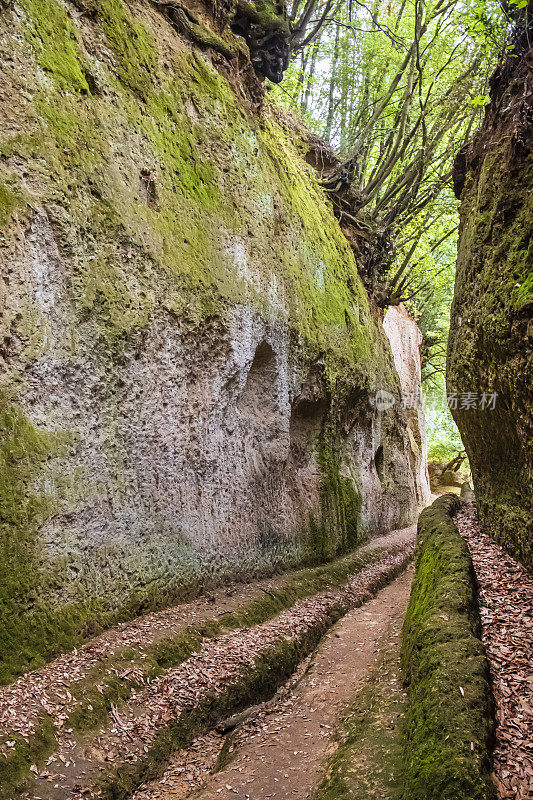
[
  {"x": 188, "y": 355},
  {"x": 490, "y": 351},
  {"x": 405, "y": 339}
]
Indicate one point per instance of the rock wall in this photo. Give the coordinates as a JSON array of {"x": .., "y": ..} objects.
[
  {"x": 188, "y": 356},
  {"x": 405, "y": 339},
  {"x": 490, "y": 354}
]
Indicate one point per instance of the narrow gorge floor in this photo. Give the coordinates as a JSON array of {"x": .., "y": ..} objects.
[
  {"x": 282, "y": 751},
  {"x": 332, "y": 730},
  {"x": 506, "y": 606},
  {"x": 78, "y": 758}
]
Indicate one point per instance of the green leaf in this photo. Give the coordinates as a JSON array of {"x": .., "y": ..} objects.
[{"x": 480, "y": 100}]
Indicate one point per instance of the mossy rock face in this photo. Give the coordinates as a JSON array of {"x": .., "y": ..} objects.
[
  {"x": 173, "y": 277},
  {"x": 490, "y": 350},
  {"x": 14, "y": 765},
  {"x": 27, "y": 641},
  {"x": 449, "y": 725}
]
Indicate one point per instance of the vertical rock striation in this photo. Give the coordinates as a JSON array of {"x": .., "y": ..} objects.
[
  {"x": 490, "y": 353},
  {"x": 405, "y": 339}
]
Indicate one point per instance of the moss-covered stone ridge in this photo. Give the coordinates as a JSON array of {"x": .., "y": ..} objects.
[
  {"x": 449, "y": 722},
  {"x": 490, "y": 352},
  {"x": 187, "y": 352}
]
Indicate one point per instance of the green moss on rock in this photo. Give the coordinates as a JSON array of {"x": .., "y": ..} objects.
[
  {"x": 338, "y": 528},
  {"x": 15, "y": 774},
  {"x": 132, "y": 45},
  {"x": 104, "y": 104},
  {"x": 31, "y": 631},
  {"x": 449, "y": 727},
  {"x": 270, "y": 14},
  {"x": 178, "y": 144},
  {"x": 9, "y": 202},
  {"x": 56, "y": 38},
  {"x": 210, "y": 158},
  {"x": 490, "y": 346}
]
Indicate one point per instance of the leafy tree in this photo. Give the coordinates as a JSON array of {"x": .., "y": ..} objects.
[{"x": 397, "y": 87}]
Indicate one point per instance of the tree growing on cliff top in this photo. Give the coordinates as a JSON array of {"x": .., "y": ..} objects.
[{"x": 397, "y": 87}]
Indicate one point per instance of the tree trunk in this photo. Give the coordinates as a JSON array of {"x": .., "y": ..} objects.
[
  {"x": 304, "y": 105},
  {"x": 331, "y": 93}
]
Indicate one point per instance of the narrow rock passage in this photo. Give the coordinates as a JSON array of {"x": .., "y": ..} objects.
[
  {"x": 281, "y": 752},
  {"x": 79, "y": 764},
  {"x": 506, "y": 605},
  {"x": 48, "y": 689}
]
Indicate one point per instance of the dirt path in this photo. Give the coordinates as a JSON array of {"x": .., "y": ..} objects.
[
  {"x": 369, "y": 753},
  {"x": 50, "y": 688},
  {"x": 281, "y": 753},
  {"x": 506, "y": 605},
  {"x": 129, "y": 741}
]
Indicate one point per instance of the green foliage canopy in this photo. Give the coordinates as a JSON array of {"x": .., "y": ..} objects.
[{"x": 398, "y": 87}]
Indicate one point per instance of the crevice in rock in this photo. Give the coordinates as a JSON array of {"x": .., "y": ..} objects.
[
  {"x": 379, "y": 462},
  {"x": 259, "y": 399},
  {"x": 147, "y": 188},
  {"x": 305, "y": 426}
]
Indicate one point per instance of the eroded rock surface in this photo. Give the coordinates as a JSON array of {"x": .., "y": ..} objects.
[
  {"x": 189, "y": 358},
  {"x": 490, "y": 354},
  {"x": 405, "y": 339}
]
